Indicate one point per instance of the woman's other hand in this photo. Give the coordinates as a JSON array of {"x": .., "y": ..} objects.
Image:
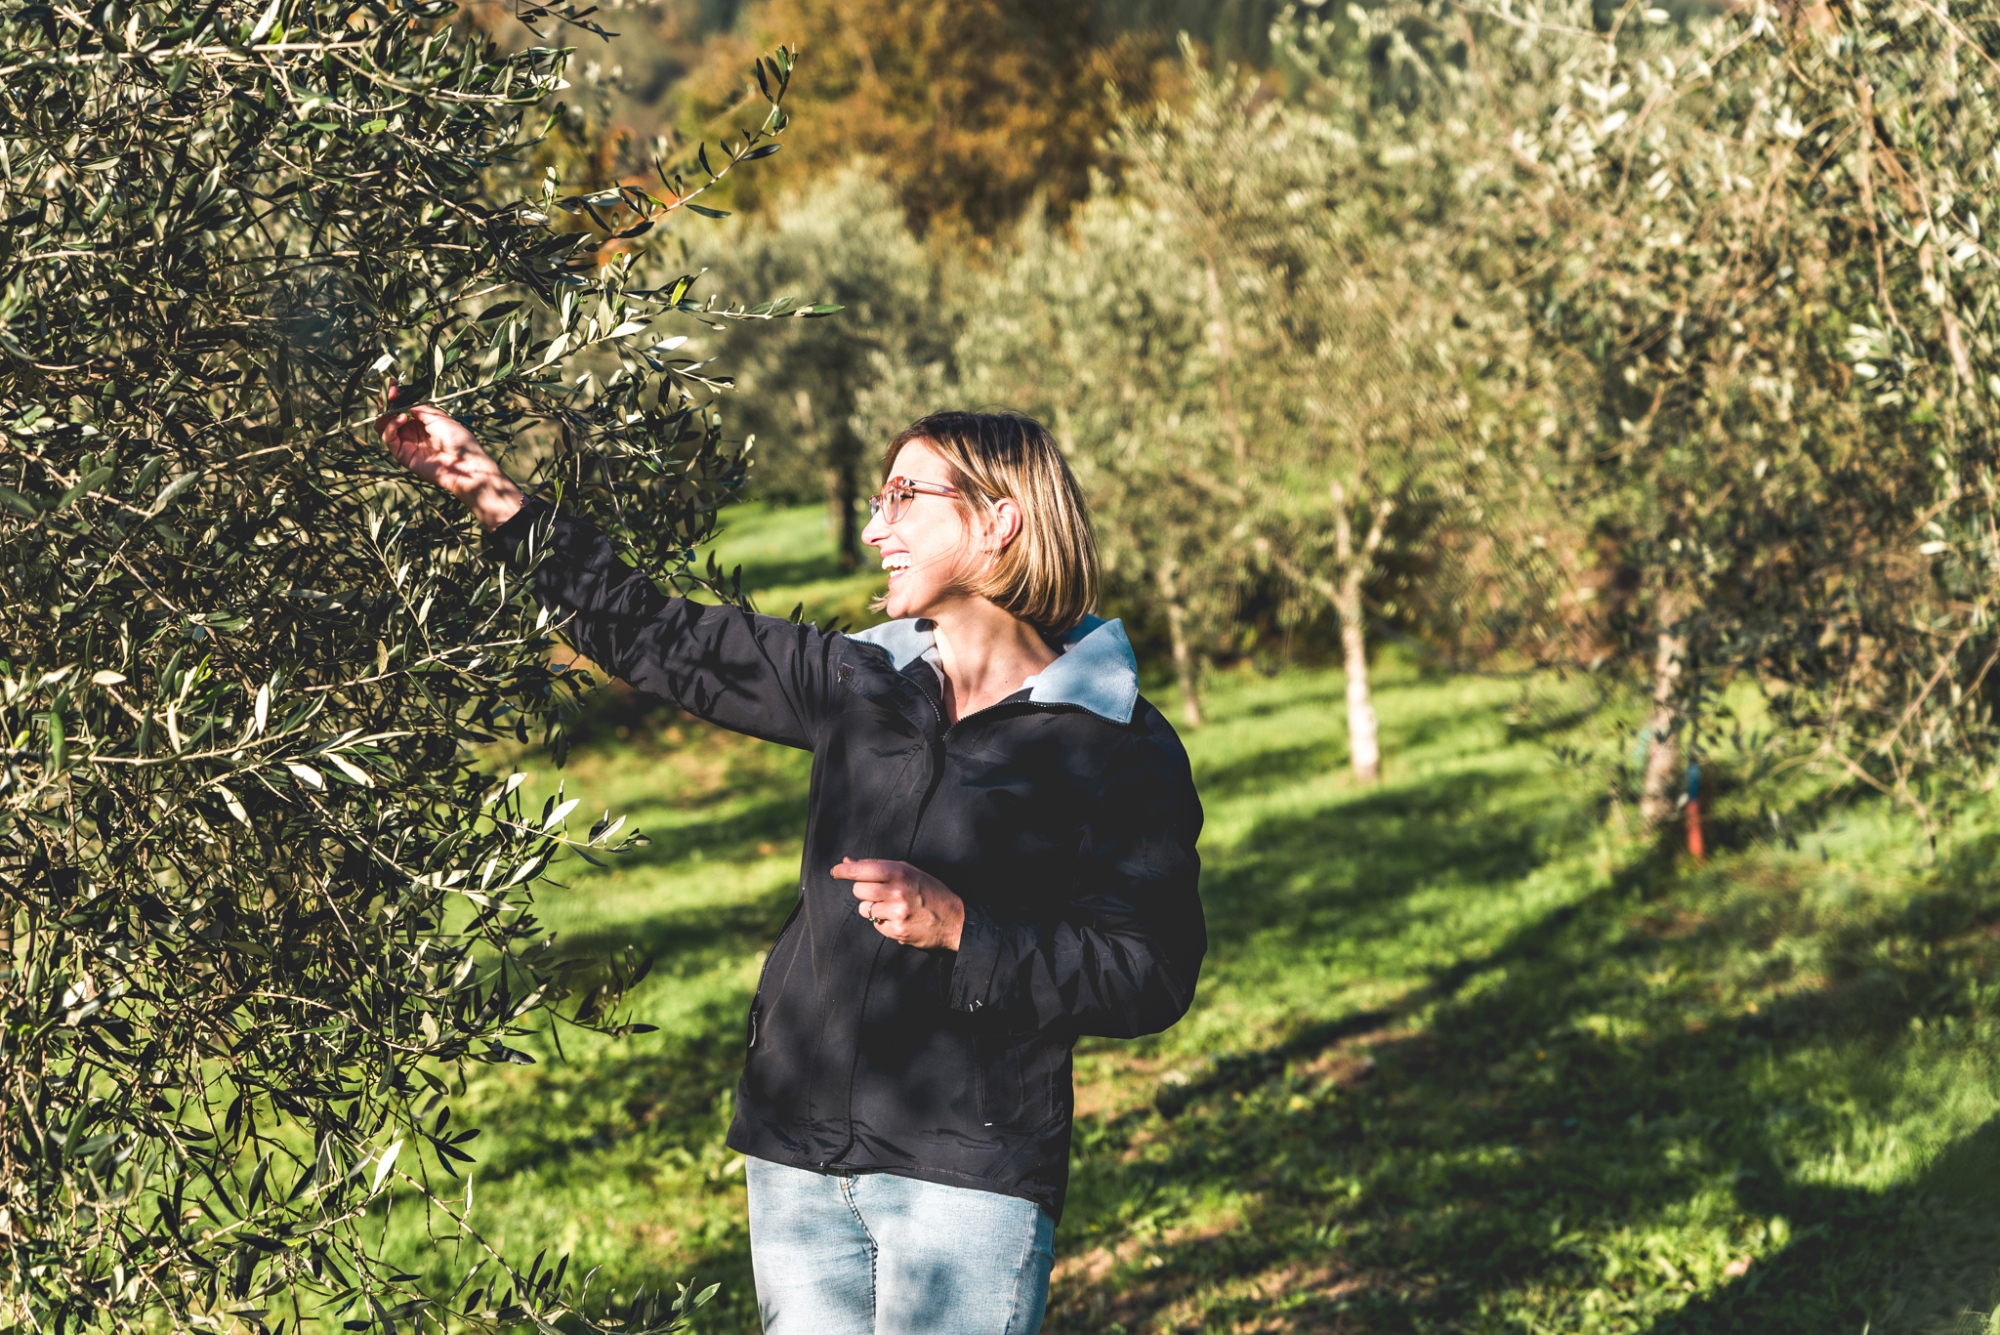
[
  {"x": 905, "y": 904},
  {"x": 437, "y": 448}
]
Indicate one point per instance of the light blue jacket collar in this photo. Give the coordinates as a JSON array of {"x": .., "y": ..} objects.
[{"x": 1097, "y": 670}]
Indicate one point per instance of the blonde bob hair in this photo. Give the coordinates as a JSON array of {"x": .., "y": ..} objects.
[{"x": 1046, "y": 576}]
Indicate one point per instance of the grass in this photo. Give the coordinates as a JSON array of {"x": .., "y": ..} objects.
[
  {"x": 788, "y": 561},
  {"x": 1464, "y": 1057}
]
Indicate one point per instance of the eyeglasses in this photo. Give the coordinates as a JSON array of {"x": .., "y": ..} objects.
[{"x": 893, "y": 501}]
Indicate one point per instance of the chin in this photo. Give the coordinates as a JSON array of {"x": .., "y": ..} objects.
[{"x": 898, "y": 605}]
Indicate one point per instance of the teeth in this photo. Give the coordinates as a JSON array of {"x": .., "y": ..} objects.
[{"x": 899, "y": 561}]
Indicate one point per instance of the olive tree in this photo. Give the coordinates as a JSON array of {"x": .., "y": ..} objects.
[
  {"x": 1772, "y": 257},
  {"x": 1742, "y": 259},
  {"x": 1331, "y": 406},
  {"x": 259, "y": 903},
  {"x": 1098, "y": 330},
  {"x": 840, "y": 244}
]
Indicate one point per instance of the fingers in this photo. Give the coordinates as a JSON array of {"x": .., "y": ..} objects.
[
  {"x": 438, "y": 448},
  {"x": 406, "y": 436},
  {"x": 880, "y": 882},
  {"x": 870, "y": 869},
  {"x": 403, "y": 437},
  {"x": 888, "y": 893},
  {"x": 898, "y": 920},
  {"x": 903, "y": 902}
]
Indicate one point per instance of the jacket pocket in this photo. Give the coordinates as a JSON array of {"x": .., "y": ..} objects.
[
  {"x": 999, "y": 1094},
  {"x": 759, "y": 1000}
]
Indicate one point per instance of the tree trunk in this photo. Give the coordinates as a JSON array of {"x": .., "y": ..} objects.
[
  {"x": 850, "y": 521},
  {"x": 1364, "y": 745},
  {"x": 1186, "y": 669},
  {"x": 1663, "y": 751},
  {"x": 841, "y": 523},
  {"x": 1364, "y": 740},
  {"x": 1225, "y": 380},
  {"x": 841, "y": 519}
]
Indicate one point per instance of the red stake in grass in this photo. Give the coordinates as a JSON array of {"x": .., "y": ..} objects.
[{"x": 1696, "y": 848}]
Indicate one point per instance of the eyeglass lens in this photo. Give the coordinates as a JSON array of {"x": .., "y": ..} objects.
[{"x": 891, "y": 503}]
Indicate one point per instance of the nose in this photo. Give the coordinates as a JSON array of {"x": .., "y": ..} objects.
[{"x": 876, "y": 532}]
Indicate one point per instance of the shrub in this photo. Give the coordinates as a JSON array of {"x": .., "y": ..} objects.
[{"x": 259, "y": 902}]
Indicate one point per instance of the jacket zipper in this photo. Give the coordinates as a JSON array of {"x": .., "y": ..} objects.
[
  {"x": 937, "y": 771},
  {"x": 916, "y": 826},
  {"x": 937, "y": 757}
]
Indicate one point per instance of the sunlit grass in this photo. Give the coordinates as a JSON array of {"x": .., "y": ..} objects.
[{"x": 1463, "y": 1057}]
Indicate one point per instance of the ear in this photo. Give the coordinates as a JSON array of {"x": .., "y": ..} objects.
[{"x": 1003, "y": 524}]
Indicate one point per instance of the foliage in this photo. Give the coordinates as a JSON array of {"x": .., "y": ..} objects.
[
  {"x": 1494, "y": 281},
  {"x": 261, "y": 906},
  {"x": 1099, "y": 332},
  {"x": 970, "y": 111},
  {"x": 1330, "y": 392},
  {"x": 647, "y": 75},
  {"x": 1229, "y": 31},
  {"x": 1783, "y": 293},
  {"x": 1461, "y": 1060},
  {"x": 843, "y": 245},
  {"x": 1231, "y": 346},
  {"x": 1689, "y": 252}
]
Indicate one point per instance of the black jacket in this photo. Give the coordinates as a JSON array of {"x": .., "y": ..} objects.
[{"x": 1065, "y": 817}]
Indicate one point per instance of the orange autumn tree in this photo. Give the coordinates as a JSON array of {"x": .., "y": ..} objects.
[{"x": 969, "y": 110}]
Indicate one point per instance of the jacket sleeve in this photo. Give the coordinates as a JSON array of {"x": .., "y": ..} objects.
[
  {"x": 1122, "y": 959},
  {"x": 752, "y": 674}
]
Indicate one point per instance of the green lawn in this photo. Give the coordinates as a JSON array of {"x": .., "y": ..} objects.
[{"x": 1464, "y": 1058}]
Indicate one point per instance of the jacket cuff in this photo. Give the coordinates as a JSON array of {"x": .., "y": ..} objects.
[
  {"x": 521, "y": 525},
  {"x": 978, "y": 956}
]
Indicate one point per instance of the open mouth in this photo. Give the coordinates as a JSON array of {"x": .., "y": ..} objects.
[{"x": 896, "y": 563}]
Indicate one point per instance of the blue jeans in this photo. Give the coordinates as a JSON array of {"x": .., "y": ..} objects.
[{"x": 872, "y": 1254}]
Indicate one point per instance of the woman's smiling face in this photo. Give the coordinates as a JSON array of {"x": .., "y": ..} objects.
[{"x": 931, "y": 553}]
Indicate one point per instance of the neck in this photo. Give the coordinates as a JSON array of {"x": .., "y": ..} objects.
[{"x": 986, "y": 654}]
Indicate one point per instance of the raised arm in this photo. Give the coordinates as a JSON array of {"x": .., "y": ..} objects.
[{"x": 752, "y": 674}]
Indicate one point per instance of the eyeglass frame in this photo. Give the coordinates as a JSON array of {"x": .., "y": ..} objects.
[{"x": 905, "y": 489}]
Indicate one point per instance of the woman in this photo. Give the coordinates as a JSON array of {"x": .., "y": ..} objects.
[{"x": 1000, "y": 857}]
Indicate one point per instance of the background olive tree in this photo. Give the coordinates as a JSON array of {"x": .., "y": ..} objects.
[
  {"x": 1723, "y": 294},
  {"x": 1097, "y": 330},
  {"x": 1333, "y": 405},
  {"x": 259, "y": 904},
  {"x": 1764, "y": 237},
  {"x": 1240, "y": 372},
  {"x": 842, "y": 243}
]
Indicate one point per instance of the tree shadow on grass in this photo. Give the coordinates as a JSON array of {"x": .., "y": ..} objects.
[
  {"x": 661, "y": 1085},
  {"x": 664, "y": 1083},
  {"x": 1366, "y": 881},
  {"x": 733, "y": 837},
  {"x": 691, "y": 938},
  {"x": 1332, "y": 696},
  {"x": 1919, "y": 1257},
  {"x": 1355, "y": 869},
  {"x": 777, "y": 573},
  {"x": 1260, "y": 771},
  {"x": 1499, "y": 1144}
]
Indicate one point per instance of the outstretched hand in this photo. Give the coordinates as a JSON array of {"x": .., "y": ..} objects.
[
  {"x": 437, "y": 447},
  {"x": 904, "y": 903}
]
